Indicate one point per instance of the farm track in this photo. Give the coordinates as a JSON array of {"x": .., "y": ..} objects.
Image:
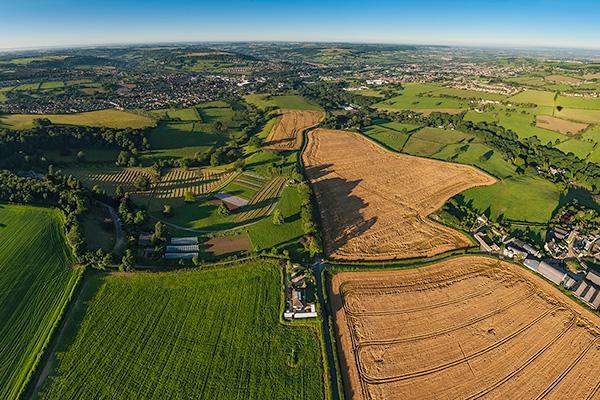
[{"x": 527, "y": 340}]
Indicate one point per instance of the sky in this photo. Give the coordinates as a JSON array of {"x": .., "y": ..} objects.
[{"x": 507, "y": 23}]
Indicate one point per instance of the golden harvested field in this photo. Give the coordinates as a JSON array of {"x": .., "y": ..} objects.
[
  {"x": 286, "y": 134},
  {"x": 465, "y": 328},
  {"x": 563, "y": 79},
  {"x": 374, "y": 203},
  {"x": 559, "y": 125}
]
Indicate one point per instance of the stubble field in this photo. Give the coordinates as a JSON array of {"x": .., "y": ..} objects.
[
  {"x": 469, "y": 328},
  {"x": 286, "y": 134},
  {"x": 374, "y": 203}
]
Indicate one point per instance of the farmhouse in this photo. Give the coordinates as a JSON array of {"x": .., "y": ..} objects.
[
  {"x": 230, "y": 201},
  {"x": 588, "y": 290}
]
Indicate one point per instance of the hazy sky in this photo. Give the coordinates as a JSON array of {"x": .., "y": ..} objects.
[{"x": 553, "y": 23}]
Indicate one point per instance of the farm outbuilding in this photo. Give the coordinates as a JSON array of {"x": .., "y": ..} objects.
[
  {"x": 179, "y": 241},
  {"x": 188, "y": 248},
  {"x": 180, "y": 256}
]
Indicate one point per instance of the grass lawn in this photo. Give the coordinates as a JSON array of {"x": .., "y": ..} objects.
[
  {"x": 189, "y": 334},
  {"x": 36, "y": 281},
  {"x": 293, "y": 102},
  {"x": 521, "y": 198},
  {"x": 103, "y": 118},
  {"x": 52, "y": 85}
]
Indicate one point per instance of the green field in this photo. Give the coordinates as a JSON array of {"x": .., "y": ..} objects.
[
  {"x": 521, "y": 198},
  {"x": 181, "y": 139},
  {"x": 580, "y": 148},
  {"x": 293, "y": 102},
  {"x": 538, "y": 97},
  {"x": 429, "y": 141},
  {"x": 195, "y": 334},
  {"x": 520, "y": 120},
  {"x": 265, "y": 235},
  {"x": 591, "y": 103},
  {"x": 36, "y": 282},
  {"x": 579, "y": 115},
  {"x": 391, "y": 134},
  {"x": 479, "y": 155},
  {"x": 103, "y": 118},
  {"x": 470, "y": 94}
]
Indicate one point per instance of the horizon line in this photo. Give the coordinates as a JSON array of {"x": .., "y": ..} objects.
[{"x": 498, "y": 46}]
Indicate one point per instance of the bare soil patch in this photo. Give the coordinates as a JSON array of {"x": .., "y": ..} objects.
[
  {"x": 559, "y": 125},
  {"x": 469, "y": 327},
  {"x": 219, "y": 246},
  {"x": 374, "y": 203},
  {"x": 286, "y": 134}
]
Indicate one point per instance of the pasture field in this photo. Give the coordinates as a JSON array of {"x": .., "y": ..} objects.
[
  {"x": 429, "y": 141},
  {"x": 520, "y": 198},
  {"x": 579, "y": 114},
  {"x": 537, "y": 97},
  {"x": 471, "y": 327},
  {"x": 578, "y": 147},
  {"x": 52, "y": 85},
  {"x": 265, "y": 235},
  {"x": 172, "y": 140},
  {"x": 519, "y": 120},
  {"x": 559, "y": 125},
  {"x": 470, "y": 94},
  {"x": 36, "y": 282},
  {"x": 104, "y": 118},
  {"x": 287, "y": 132},
  {"x": 589, "y": 103},
  {"x": 291, "y": 102},
  {"x": 563, "y": 79},
  {"x": 394, "y": 139},
  {"x": 424, "y": 102},
  {"x": 181, "y": 114},
  {"x": 206, "y": 334},
  {"x": 374, "y": 203},
  {"x": 479, "y": 155}
]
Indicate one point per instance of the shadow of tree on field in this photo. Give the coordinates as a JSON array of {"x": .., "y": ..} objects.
[{"x": 341, "y": 219}]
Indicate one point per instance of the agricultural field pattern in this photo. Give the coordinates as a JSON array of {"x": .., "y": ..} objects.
[{"x": 252, "y": 220}]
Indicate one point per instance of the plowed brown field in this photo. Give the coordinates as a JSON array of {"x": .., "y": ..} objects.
[
  {"x": 286, "y": 134},
  {"x": 466, "y": 328},
  {"x": 374, "y": 203}
]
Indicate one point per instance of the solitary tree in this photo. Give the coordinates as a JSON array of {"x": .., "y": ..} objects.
[
  {"x": 277, "y": 218},
  {"x": 127, "y": 261}
]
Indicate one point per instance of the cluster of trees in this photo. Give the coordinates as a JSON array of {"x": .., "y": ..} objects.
[
  {"x": 333, "y": 96},
  {"x": 20, "y": 148},
  {"x": 60, "y": 191},
  {"x": 311, "y": 239},
  {"x": 587, "y": 220}
]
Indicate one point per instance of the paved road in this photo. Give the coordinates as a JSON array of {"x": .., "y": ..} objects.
[
  {"x": 318, "y": 267},
  {"x": 119, "y": 235}
]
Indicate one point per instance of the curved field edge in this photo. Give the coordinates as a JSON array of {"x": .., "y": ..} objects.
[
  {"x": 212, "y": 333},
  {"x": 585, "y": 317},
  {"x": 353, "y": 182},
  {"x": 36, "y": 285}
]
